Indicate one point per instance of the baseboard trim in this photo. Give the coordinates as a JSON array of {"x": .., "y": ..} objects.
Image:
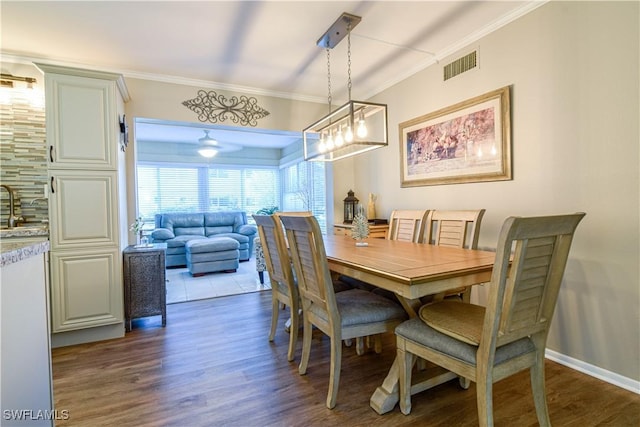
[
  {"x": 82, "y": 336},
  {"x": 594, "y": 371}
]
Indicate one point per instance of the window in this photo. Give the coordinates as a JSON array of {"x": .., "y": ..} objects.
[
  {"x": 304, "y": 189},
  {"x": 166, "y": 188},
  {"x": 176, "y": 188}
]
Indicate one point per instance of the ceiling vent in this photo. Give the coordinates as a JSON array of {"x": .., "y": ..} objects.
[{"x": 460, "y": 65}]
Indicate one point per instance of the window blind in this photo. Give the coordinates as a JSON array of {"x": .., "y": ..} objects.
[
  {"x": 304, "y": 189},
  {"x": 173, "y": 188}
]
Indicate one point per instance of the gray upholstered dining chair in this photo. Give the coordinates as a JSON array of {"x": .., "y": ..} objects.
[
  {"x": 488, "y": 344},
  {"x": 349, "y": 314}
]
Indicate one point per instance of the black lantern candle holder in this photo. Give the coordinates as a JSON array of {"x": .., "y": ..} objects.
[{"x": 350, "y": 207}]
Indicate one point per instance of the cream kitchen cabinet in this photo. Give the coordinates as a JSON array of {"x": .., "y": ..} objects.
[
  {"x": 83, "y": 208},
  {"x": 86, "y": 288},
  {"x": 87, "y": 203},
  {"x": 82, "y": 105}
]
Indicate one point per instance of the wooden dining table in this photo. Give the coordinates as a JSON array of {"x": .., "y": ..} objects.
[{"x": 411, "y": 271}]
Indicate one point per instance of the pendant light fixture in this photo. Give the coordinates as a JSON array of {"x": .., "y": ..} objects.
[{"x": 355, "y": 127}]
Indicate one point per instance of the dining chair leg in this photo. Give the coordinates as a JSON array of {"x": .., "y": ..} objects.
[
  {"x": 539, "y": 394},
  {"x": 377, "y": 343},
  {"x": 360, "y": 346},
  {"x": 484, "y": 396},
  {"x": 275, "y": 307},
  {"x": 334, "y": 375},
  {"x": 306, "y": 346},
  {"x": 464, "y": 383},
  {"x": 405, "y": 366},
  {"x": 293, "y": 333}
]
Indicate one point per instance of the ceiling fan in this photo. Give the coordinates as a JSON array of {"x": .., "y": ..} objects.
[{"x": 210, "y": 146}]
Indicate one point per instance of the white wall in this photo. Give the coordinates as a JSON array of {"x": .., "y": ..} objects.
[{"x": 573, "y": 69}]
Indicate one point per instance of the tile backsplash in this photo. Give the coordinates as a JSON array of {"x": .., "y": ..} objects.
[{"x": 23, "y": 155}]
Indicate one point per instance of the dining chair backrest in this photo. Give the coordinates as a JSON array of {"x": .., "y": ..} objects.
[
  {"x": 275, "y": 250},
  {"x": 310, "y": 261},
  {"x": 531, "y": 258},
  {"x": 407, "y": 225},
  {"x": 290, "y": 213},
  {"x": 459, "y": 229}
]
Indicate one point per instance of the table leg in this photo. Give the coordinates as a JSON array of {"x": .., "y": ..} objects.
[{"x": 386, "y": 396}]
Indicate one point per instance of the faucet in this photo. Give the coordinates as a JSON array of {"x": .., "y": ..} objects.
[{"x": 13, "y": 219}]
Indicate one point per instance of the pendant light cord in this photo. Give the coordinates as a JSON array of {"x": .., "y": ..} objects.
[
  {"x": 329, "y": 75},
  {"x": 349, "y": 58}
]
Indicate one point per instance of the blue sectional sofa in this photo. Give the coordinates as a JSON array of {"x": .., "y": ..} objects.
[{"x": 176, "y": 229}]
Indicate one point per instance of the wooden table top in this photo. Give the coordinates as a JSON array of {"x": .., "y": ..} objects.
[{"x": 411, "y": 270}]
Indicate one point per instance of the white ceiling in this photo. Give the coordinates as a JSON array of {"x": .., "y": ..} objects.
[{"x": 256, "y": 47}]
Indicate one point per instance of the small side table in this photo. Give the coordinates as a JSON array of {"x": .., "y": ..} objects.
[{"x": 145, "y": 288}]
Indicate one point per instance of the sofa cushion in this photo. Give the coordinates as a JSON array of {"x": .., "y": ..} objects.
[
  {"x": 180, "y": 241},
  {"x": 162, "y": 234},
  {"x": 212, "y": 244},
  {"x": 241, "y": 238},
  {"x": 178, "y": 221},
  {"x": 221, "y": 218}
]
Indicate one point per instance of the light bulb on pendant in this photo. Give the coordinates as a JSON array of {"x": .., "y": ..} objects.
[
  {"x": 362, "y": 127},
  {"x": 330, "y": 141},
  {"x": 348, "y": 135},
  {"x": 339, "y": 139},
  {"x": 322, "y": 146}
]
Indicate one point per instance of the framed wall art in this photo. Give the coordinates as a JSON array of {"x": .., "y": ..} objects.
[{"x": 466, "y": 142}]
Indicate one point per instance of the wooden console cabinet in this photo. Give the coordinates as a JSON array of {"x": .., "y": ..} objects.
[
  {"x": 145, "y": 288},
  {"x": 375, "y": 231}
]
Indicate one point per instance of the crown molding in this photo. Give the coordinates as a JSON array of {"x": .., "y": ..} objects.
[{"x": 163, "y": 78}]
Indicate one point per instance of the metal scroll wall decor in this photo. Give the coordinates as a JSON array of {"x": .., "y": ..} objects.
[{"x": 214, "y": 108}]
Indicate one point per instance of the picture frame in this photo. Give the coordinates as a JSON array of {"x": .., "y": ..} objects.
[{"x": 466, "y": 142}]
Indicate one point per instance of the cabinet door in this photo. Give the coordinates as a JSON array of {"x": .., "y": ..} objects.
[
  {"x": 86, "y": 289},
  {"x": 82, "y": 128},
  {"x": 83, "y": 209}
]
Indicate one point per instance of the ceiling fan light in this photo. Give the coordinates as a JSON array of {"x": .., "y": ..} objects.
[{"x": 207, "y": 152}]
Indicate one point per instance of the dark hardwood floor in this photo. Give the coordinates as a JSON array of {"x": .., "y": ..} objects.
[{"x": 213, "y": 366}]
